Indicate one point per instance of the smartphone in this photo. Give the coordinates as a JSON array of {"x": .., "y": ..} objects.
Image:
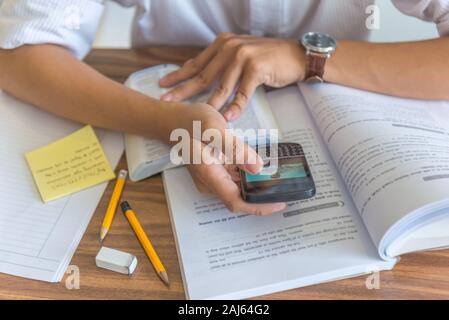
[{"x": 285, "y": 176}]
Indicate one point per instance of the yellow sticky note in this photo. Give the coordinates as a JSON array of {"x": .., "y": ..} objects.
[{"x": 69, "y": 165}]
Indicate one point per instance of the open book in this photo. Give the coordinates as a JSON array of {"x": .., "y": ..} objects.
[{"x": 381, "y": 168}]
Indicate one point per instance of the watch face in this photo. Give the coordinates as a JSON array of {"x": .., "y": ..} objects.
[{"x": 319, "y": 42}]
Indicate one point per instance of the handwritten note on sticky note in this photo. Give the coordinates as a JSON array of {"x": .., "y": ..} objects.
[{"x": 69, "y": 165}]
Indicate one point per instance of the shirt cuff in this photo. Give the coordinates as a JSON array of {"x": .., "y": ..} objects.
[
  {"x": 443, "y": 27},
  {"x": 436, "y": 11},
  {"x": 71, "y": 24}
]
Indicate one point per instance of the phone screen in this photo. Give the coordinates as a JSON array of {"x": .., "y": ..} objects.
[
  {"x": 293, "y": 170},
  {"x": 289, "y": 180}
]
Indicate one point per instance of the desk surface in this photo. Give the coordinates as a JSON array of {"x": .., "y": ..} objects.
[{"x": 417, "y": 276}]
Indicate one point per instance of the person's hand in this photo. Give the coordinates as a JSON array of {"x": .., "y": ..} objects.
[
  {"x": 217, "y": 172},
  {"x": 223, "y": 181},
  {"x": 183, "y": 116},
  {"x": 238, "y": 64},
  {"x": 223, "y": 146}
]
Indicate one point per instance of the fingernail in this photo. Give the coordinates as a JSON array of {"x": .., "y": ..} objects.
[
  {"x": 250, "y": 168},
  {"x": 259, "y": 161},
  {"x": 229, "y": 115},
  {"x": 167, "y": 97},
  {"x": 253, "y": 168}
]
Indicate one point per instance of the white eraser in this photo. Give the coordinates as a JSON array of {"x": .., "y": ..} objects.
[{"x": 116, "y": 260}]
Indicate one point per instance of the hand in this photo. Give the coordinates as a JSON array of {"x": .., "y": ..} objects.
[
  {"x": 240, "y": 64},
  {"x": 183, "y": 116},
  {"x": 212, "y": 175},
  {"x": 231, "y": 149},
  {"x": 224, "y": 182}
]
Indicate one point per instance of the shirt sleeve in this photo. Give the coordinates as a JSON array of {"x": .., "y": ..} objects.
[
  {"x": 436, "y": 11},
  {"x": 68, "y": 23}
]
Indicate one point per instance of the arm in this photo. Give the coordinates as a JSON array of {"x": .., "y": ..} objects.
[
  {"x": 417, "y": 70},
  {"x": 49, "y": 77},
  {"x": 414, "y": 69}
]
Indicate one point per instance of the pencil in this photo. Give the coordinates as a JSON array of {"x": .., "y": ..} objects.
[
  {"x": 145, "y": 242},
  {"x": 112, "y": 207}
]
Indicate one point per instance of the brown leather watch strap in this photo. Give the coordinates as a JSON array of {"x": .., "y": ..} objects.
[{"x": 315, "y": 67}]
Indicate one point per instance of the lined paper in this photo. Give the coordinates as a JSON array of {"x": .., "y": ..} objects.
[{"x": 38, "y": 240}]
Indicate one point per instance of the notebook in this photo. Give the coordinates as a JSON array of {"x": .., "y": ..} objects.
[
  {"x": 38, "y": 240},
  {"x": 381, "y": 169}
]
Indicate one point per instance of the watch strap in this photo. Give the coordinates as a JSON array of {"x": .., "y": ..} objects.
[{"x": 315, "y": 64}]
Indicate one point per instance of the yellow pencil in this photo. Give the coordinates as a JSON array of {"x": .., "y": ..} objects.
[
  {"x": 145, "y": 242},
  {"x": 112, "y": 207}
]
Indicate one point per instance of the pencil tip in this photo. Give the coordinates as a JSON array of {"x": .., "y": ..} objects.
[
  {"x": 103, "y": 234},
  {"x": 163, "y": 275}
]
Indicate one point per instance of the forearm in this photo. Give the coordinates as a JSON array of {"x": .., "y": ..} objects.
[
  {"x": 50, "y": 78},
  {"x": 417, "y": 70}
]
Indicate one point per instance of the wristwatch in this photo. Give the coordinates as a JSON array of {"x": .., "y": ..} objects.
[{"x": 319, "y": 47}]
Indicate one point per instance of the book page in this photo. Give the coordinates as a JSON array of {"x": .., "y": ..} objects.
[
  {"x": 392, "y": 153},
  {"x": 225, "y": 255}
]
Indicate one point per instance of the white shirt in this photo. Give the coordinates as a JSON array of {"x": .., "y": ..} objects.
[{"x": 73, "y": 23}]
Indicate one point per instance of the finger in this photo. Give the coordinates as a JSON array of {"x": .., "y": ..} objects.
[
  {"x": 218, "y": 180},
  {"x": 193, "y": 66},
  {"x": 226, "y": 86},
  {"x": 259, "y": 209},
  {"x": 197, "y": 173},
  {"x": 234, "y": 172},
  {"x": 201, "y": 187},
  {"x": 234, "y": 151},
  {"x": 209, "y": 153},
  {"x": 239, "y": 153},
  {"x": 200, "y": 82},
  {"x": 229, "y": 193},
  {"x": 199, "y": 183},
  {"x": 189, "y": 69},
  {"x": 247, "y": 87}
]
